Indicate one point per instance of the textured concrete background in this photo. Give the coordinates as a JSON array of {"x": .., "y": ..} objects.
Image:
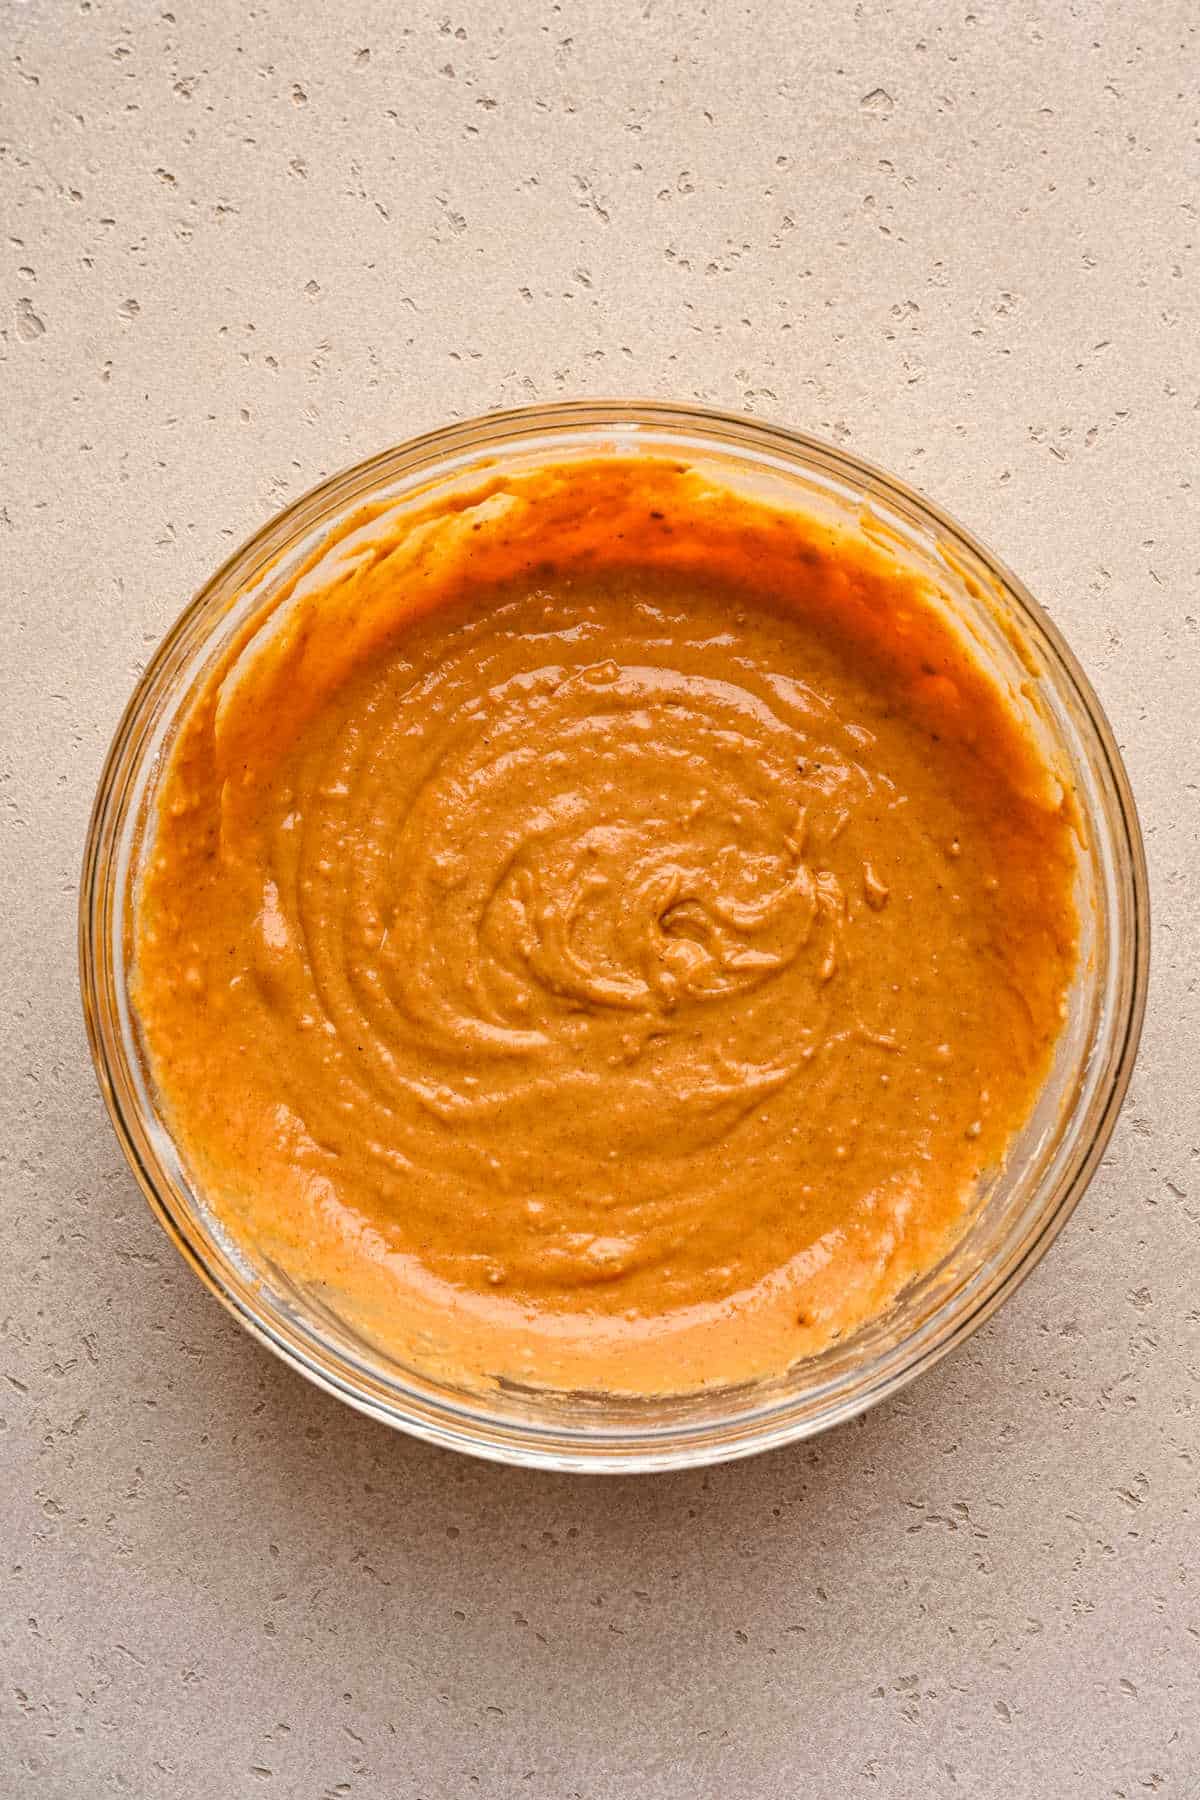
[{"x": 246, "y": 244}]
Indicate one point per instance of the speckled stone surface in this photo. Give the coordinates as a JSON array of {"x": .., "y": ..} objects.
[{"x": 245, "y": 244}]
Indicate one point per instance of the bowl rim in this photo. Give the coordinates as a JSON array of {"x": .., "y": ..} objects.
[{"x": 460, "y": 1426}]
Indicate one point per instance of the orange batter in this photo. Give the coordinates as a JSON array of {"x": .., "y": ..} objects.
[{"x": 601, "y": 933}]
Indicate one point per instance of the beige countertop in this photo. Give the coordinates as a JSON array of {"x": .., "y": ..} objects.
[{"x": 246, "y": 244}]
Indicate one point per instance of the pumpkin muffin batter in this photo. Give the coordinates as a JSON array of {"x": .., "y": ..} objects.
[{"x": 601, "y": 931}]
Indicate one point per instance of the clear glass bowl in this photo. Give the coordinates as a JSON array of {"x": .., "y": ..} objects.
[{"x": 1025, "y": 1205}]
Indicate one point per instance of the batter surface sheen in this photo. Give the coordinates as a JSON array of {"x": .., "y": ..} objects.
[{"x": 602, "y": 932}]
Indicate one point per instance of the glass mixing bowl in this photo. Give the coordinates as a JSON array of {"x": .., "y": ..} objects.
[{"x": 1023, "y": 1206}]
